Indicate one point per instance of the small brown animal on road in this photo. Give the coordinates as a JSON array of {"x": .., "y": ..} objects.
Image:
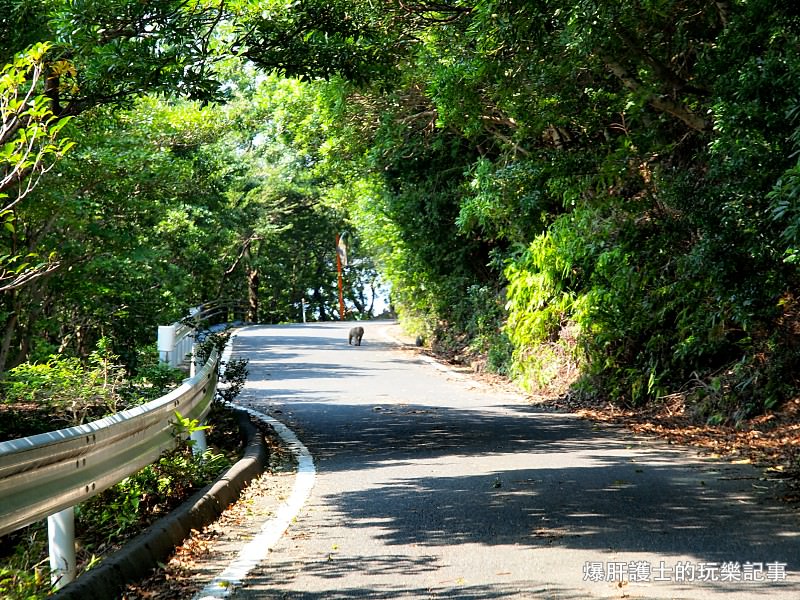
[{"x": 356, "y": 333}]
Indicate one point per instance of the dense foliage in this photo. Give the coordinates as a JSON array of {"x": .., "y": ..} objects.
[
  {"x": 599, "y": 197},
  {"x": 563, "y": 186},
  {"x": 607, "y": 189},
  {"x": 126, "y": 201}
]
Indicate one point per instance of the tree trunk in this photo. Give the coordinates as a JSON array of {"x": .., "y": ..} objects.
[
  {"x": 371, "y": 308},
  {"x": 320, "y": 302},
  {"x": 253, "y": 280},
  {"x": 724, "y": 10},
  {"x": 660, "y": 103},
  {"x": 9, "y": 330}
]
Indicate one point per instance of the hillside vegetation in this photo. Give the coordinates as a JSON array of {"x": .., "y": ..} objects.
[
  {"x": 596, "y": 196},
  {"x": 589, "y": 196}
]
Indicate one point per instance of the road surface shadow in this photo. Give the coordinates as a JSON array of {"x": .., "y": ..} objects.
[
  {"x": 505, "y": 475},
  {"x": 589, "y": 490},
  {"x": 398, "y": 574}
]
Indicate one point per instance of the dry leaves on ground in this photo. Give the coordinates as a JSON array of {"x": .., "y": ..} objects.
[{"x": 770, "y": 441}]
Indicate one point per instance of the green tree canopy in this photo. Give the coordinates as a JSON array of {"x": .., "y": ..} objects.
[{"x": 611, "y": 186}]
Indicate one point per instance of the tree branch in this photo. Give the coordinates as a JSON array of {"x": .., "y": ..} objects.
[
  {"x": 660, "y": 103},
  {"x": 27, "y": 277},
  {"x": 724, "y": 10},
  {"x": 501, "y": 136},
  {"x": 662, "y": 71}
]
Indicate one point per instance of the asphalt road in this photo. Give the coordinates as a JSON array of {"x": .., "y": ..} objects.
[{"x": 430, "y": 485}]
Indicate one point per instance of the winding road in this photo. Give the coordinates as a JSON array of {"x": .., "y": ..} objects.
[{"x": 432, "y": 485}]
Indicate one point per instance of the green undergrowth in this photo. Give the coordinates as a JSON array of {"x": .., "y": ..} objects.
[
  {"x": 104, "y": 523},
  {"x": 64, "y": 391},
  {"x": 61, "y": 390}
]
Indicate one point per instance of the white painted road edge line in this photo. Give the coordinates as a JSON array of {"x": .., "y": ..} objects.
[{"x": 223, "y": 585}]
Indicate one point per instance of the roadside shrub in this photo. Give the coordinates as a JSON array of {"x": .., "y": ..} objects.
[
  {"x": 73, "y": 391},
  {"x": 25, "y": 568},
  {"x": 153, "y": 378},
  {"x": 484, "y": 318},
  {"x": 125, "y": 508},
  {"x": 233, "y": 372},
  {"x": 541, "y": 313}
]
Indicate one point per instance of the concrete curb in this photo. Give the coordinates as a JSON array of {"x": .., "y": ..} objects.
[
  {"x": 259, "y": 546},
  {"x": 156, "y": 543}
]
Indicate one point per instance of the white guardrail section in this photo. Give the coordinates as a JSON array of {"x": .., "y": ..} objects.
[
  {"x": 46, "y": 473},
  {"x": 175, "y": 343}
]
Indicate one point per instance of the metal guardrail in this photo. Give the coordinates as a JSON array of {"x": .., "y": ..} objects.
[
  {"x": 222, "y": 310},
  {"x": 176, "y": 341},
  {"x": 43, "y": 474}
]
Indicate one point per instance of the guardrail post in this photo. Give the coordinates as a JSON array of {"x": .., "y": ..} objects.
[
  {"x": 166, "y": 341},
  {"x": 199, "y": 435},
  {"x": 199, "y": 438},
  {"x": 193, "y": 357},
  {"x": 61, "y": 538}
]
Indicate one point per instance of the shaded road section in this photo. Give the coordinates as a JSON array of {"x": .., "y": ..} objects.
[{"x": 430, "y": 485}]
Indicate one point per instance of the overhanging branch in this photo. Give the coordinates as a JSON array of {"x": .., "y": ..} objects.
[{"x": 660, "y": 103}]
